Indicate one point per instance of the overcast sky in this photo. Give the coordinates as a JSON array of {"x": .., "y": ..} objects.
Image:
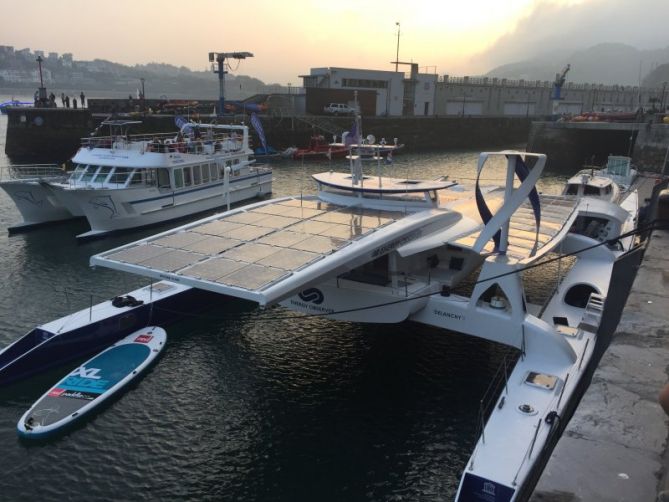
[{"x": 289, "y": 37}]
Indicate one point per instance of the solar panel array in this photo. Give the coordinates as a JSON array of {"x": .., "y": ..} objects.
[
  {"x": 555, "y": 212},
  {"x": 252, "y": 249}
]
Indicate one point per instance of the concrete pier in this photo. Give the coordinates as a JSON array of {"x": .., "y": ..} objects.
[{"x": 615, "y": 447}]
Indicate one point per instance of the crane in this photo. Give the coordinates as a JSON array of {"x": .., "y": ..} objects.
[
  {"x": 219, "y": 58},
  {"x": 559, "y": 81}
]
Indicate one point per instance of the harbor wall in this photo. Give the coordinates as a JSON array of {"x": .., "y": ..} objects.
[
  {"x": 652, "y": 148},
  {"x": 55, "y": 134},
  {"x": 46, "y": 134},
  {"x": 569, "y": 146}
]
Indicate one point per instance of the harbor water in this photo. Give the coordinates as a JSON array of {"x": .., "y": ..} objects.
[{"x": 240, "y": 408}]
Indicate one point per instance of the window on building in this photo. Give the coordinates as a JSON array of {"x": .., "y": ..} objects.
[{"x": 365, "y": 83}]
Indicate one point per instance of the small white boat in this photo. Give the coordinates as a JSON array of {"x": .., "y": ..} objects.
[
  {"x": 37, "y": 205},
  {"x": 92, "y": 383},
  {"x": 122, "y": 182},
  {"x": 611, "y": 183}
]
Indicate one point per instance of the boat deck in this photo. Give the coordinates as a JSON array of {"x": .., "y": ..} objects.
[
  {"x": 557, "y": 215},
  {"x": 246, "y": 251}
]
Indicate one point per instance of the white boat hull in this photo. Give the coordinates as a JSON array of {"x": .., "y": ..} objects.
[
  {"x": 35, "y": 202},
  {"x": 110, "y": 210}
]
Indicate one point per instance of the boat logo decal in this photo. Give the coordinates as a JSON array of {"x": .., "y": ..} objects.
[
  {"x": 104, "y": 202},
  {"x": 28, "y": 196},
  {"x": 77, "y": 394},
  {"x": 488, "y": 488},
  {"x": 143, "y": 338},
  {"x": 450, "y": 315},
  {"x": 84, "y": 372},
  {"x": 56, "y": 392},
  {"x": 386, "y": 248},
  {"x": 313, "y": 295}
]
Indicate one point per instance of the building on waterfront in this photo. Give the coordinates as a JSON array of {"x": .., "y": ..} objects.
[
  {"x": 501, "y": 96},
  {"x": 382, "y": 93},
  {"x": 390, "y": 93}
]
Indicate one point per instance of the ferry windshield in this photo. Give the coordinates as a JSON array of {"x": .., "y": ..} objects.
[
  {"x": 120, "y": 175},
  {"x": 102, "y": 174}
]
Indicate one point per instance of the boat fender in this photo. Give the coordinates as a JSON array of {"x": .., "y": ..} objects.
[{"x": 126, "y": 301}]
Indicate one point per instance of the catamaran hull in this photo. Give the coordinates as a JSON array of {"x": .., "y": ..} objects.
[
  {"x": 35, "y": 203},
  {"x": 40, "y": 350},
  {"x": 110, "y": 210}
]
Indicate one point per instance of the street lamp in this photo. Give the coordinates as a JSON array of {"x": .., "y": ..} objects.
[{"x": 397, "y": 53}]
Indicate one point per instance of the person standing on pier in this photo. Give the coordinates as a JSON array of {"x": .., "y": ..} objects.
[
  {"x": 62, "y": 99},
  {"x": 74, "y": 103},
  {"x": 83, "y": 99},
  {"x": 67, "y": 101}
]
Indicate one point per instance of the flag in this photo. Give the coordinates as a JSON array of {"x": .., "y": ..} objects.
[
  {"x": 352, "y": 136},
  {"x": 255, "y": 122},
  {"x": 184, "y": 126}
]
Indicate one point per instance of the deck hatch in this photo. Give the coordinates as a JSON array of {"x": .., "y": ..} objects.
[{"x": 541, "y": 380}]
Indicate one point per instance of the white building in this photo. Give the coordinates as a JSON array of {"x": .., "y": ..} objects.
[{"x": 385, "y": 93}]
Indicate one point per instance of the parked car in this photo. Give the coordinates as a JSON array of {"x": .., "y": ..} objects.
[{"x": 338, "y": 108}]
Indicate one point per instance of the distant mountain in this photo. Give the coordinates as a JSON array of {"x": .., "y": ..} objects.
[
  {"x": 607, "y": 63},
  {"x": 659, "y": 77}
]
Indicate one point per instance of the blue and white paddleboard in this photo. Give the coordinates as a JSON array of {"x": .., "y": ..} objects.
[{"x": 92, "y": 383}]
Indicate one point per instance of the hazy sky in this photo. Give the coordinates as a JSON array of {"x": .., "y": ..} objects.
[{"x": 288, "y": 37}]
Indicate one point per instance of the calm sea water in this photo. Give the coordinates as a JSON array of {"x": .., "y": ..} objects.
[{"x": 286, "y": 410}]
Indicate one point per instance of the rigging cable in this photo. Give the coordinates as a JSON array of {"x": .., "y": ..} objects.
[{"x": 653, "y": 225}]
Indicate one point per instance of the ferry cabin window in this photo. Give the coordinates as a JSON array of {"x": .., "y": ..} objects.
[
  {"x": 78, "y": 172},
  {"x": 151, "y": 177},
  {"x": 102, "y": 174},
  {"x": 572, "y": 190},
  {"x": 205, "y": 173},
  {"x": 120, "y": 175},
  {"x": 90, "y": 172},
  {"x": 213, "y": 169},
  {"x": 197, "y": 175},
  {"x": 178, "y": 178},
  {"x": 188, "y": 178},
  {"x": 136, "y": 178},
  {"x": 163, "y": 178},
  {"x": 607, "y": 190}
]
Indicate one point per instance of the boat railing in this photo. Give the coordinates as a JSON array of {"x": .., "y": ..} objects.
[
  {"x": 30, "y": 171},
  {"x": 207, "y": 144},
  {"x": 486, "y": 404}
]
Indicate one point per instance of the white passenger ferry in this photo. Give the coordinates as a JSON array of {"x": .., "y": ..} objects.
[{"x": 121, "y": 181}]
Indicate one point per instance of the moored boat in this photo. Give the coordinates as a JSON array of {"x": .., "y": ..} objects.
[
  {"x": 25, "y": 185},
  {"x": 92, "y": 329},
  {"x": 384, "y": 250},
  {"x": 122, "y": 182}
]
